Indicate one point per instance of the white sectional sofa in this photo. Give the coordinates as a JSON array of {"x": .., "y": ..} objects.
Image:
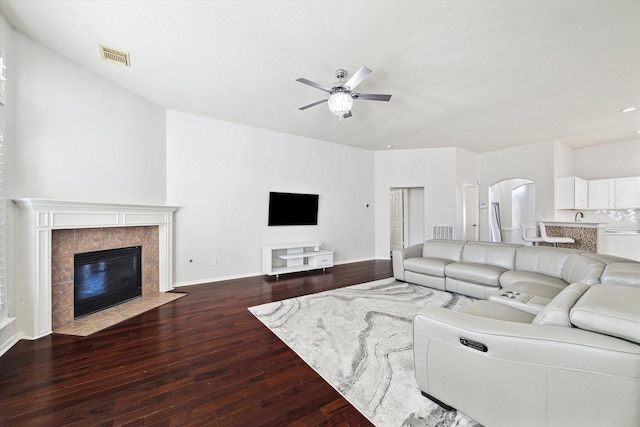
[{"x": 553, "y": 340}]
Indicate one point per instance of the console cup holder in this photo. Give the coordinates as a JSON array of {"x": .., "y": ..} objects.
[
  {"x": 507, "y": 295},
  {"x": 513, "y": 292}
]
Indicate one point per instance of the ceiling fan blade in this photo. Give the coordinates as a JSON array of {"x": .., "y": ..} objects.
[
  {"x": 313, "y": 104},
  {"x": 314, "y": 84},
  {"x": 357, "y": 77},
  {"x": 370, "y": 96}
]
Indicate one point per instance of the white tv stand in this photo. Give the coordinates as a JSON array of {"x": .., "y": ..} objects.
[{"x": 292, "y": 257}]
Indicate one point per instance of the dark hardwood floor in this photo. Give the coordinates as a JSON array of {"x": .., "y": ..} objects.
[{"x": 202, "y": 360}]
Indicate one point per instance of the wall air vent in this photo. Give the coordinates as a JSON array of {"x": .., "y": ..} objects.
[{"x": 115, "y": 56}]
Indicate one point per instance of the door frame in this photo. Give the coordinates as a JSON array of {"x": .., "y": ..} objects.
[{"x": 471, "y": 204}]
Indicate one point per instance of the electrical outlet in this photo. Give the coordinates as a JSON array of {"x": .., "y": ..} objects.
[
  {"x": 214, "y": 261},
  {"x": 229, "y": 260}
]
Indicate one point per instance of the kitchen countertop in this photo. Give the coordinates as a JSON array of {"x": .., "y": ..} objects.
[{"x": 575, "y": 224}]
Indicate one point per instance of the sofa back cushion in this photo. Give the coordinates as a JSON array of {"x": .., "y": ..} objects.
[
  {"x": 496, "y": 254},
  {"x": 579, "y": 268},
  {"x": 609, "y": 309},
  {"x": 557, "y": 311},
  {"x": 443, "y": 249},
  {"x": 542, "y": 259},
  {"x": 626, "y": 274}
]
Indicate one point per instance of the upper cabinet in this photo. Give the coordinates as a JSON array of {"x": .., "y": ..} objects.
[
  {"x": 627, "y": 192},
  {"x": 601, "y": 194},
  {"x": 614, "y": 193},
  {"x": 571, "y": 193}
]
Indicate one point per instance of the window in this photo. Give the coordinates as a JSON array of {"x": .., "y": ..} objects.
[{"x": 3, "y": 276}]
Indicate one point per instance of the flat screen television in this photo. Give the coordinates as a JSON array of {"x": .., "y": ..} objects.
[{"x": 293, "y": 209}]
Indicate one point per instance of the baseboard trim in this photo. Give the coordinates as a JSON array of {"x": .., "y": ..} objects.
[
  {"x": 244, "y": 276},
  {"x": 10, "y": 343}
]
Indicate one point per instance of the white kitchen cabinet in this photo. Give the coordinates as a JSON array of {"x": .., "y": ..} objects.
[
  {"x": 601, "y": 194},
  {"x": 627, "y": 192},
  {"x": 571, "y": 193},
  {"x": 614, "y": 193}
]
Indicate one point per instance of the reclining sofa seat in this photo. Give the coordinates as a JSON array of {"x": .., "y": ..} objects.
[
  {"x": 478, "y": 272},
  {"x": 505, "y": 367},
  {"x": 424, "y": 264}
]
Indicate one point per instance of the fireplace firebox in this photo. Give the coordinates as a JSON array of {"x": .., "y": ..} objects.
[{"x": 106, "y": 278}]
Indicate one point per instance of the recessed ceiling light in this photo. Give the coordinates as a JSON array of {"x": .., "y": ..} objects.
[
  {"x": 391, "y": 146},
  {"x": 628, "y": 110}
]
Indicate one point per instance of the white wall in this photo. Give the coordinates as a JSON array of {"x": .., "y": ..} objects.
[
  {"x": 433, "y": 169},
  {"x": 564, "y": 160},
  {"x": 221, "y": 173},
  {"x": 608, "y": 161},
  {"x": 82, "y": 137}
]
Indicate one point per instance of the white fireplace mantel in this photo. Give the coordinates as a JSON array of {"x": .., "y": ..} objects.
[{"x": 40, "y": 216}]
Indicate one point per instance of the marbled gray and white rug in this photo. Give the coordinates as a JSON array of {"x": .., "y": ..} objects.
[{"x": 360, "y": 340}]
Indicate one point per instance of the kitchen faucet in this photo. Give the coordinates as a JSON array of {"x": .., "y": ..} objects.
[{"x": 576, "y": 217}]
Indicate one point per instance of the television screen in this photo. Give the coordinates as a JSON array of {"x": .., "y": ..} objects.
[{"x": 293, "y": 209}]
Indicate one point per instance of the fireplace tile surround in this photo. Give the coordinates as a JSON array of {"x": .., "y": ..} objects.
[
  {"x": 66, "y": 243},
  {"x": 52, "y": 231}
]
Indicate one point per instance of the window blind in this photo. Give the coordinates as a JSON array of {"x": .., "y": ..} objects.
[{"x": 3, "y": 258}]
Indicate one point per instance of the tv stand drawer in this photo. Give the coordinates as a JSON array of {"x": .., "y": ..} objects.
[{"x": 322, "y": 260}]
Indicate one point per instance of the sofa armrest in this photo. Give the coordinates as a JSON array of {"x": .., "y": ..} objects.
[
  {"x": 526, "y": 372},
  {"x": 399, "y": 255}
]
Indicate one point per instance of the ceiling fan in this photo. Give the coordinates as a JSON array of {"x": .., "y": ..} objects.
[{"x": 341, "y": 98}]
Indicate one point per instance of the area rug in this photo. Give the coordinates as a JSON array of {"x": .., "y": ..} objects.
[{"x": 360, "y": 340}]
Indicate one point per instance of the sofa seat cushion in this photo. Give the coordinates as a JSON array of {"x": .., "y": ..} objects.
[
  {"x": 428, "y": 266},
  {"x": 626, "y": 274},
  {"x": 475, "y": 273},
  {"x": 511, "y": 277},
  {"x": 533, "y": 288},
  {"x": 494, "y": 310},
  {"x": 609, "y": 309}
]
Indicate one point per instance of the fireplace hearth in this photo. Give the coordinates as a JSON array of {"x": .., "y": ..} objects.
[{"x": 106, "y": 278}]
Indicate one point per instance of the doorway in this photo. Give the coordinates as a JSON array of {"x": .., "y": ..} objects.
[
  {"x": 513, "y": 202},
  {"x": 398, "y": 221},
  {"x": 406, "y": 217},
  {"x": 470, "y": 212}
]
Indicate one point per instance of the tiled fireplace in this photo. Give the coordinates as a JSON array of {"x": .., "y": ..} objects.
[
  {"x": 66, "y": 243},
  {"x": 52, "y": 231}
]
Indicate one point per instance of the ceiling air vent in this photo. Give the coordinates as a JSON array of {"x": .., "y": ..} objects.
[{"x": 115, "y": 56}]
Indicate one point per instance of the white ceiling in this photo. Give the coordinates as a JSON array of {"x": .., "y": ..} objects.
[{"x": 479, "y": 75}]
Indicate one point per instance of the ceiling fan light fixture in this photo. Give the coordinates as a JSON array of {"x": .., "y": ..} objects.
[{"x": 340, "y": 103}]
